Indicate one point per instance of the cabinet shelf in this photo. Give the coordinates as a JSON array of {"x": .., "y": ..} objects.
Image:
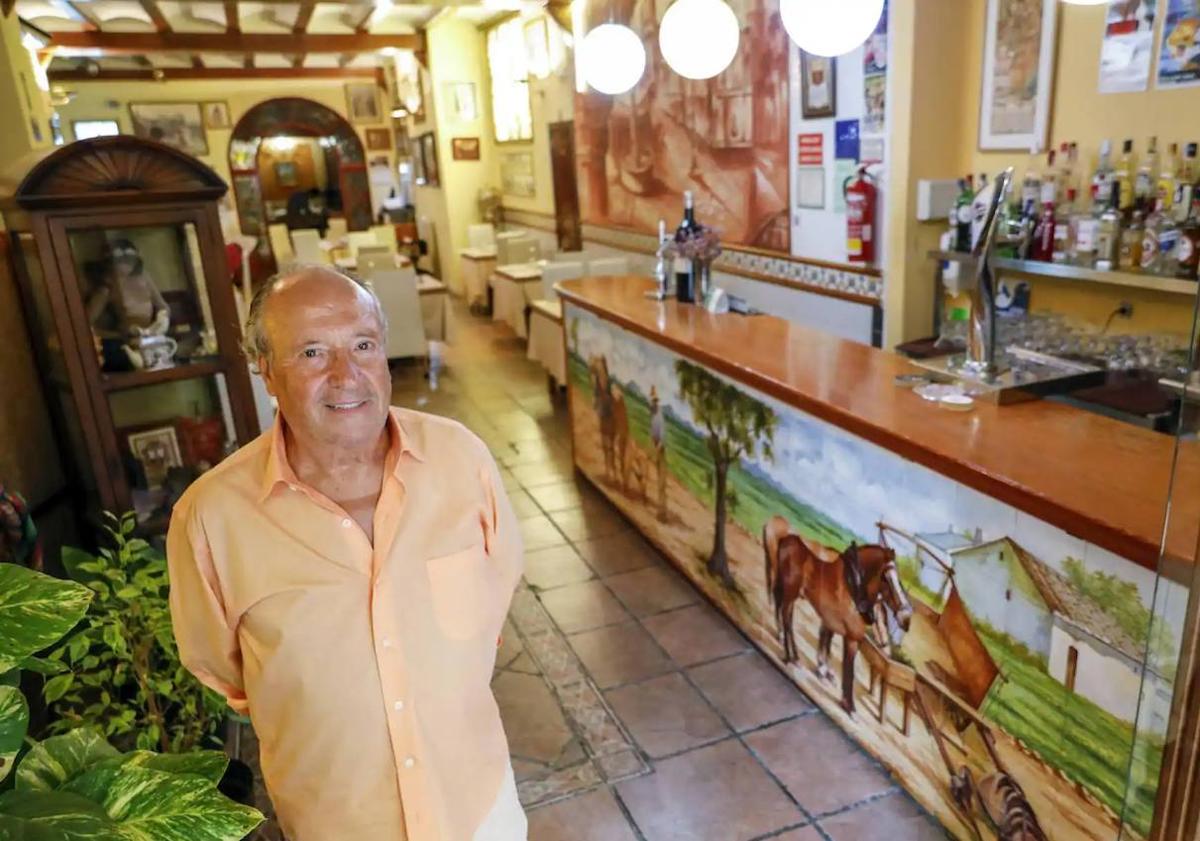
[
  {"x": 137, "y": 379},
  {"x": 1063, "y": 271}
]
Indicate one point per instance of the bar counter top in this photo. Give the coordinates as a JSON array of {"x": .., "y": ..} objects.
[{"x": 1095, "y": 477}]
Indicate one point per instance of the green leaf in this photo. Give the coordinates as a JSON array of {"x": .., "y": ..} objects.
[
  {"x": 14, "y": 721},
  {"x": 128, "y": 593},
  {"x": 80, "y": 565},
  {"x": 53, "y": 816},
  {"x": 35, "y": 612},
  {"x": 57, "y": 760},
  {"x": 56, "y": 687},
  {"x": 209, "y": 764},
  {"x": 153, "y": 805},
  {"x": 43, "y": 666}
]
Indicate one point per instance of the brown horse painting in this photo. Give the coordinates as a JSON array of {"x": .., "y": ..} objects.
[
  {"x": 609, "y": 403},
  {"x": 848, "y": 591}
]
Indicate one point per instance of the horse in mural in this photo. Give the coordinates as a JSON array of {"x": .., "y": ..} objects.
[
  {"x": 849, "y": 591},
  {"x": 609, "y": 403}
]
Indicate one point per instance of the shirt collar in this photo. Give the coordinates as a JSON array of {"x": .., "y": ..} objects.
[{"x": 278, "y": 471}]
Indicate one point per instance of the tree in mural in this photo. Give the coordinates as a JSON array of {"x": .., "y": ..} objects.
[{"x": 737, "y": 426}]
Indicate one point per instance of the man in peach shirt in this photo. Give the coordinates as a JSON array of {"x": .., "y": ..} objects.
[{"x": 344, "y": 578}]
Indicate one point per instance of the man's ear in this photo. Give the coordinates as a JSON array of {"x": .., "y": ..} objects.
[{"x": 264, "y": 369}]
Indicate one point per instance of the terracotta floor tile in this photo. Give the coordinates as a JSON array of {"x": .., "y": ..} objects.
[
  {"x": 804, "y": 833},
  {"x": 749, "y": 691},
  {"x": 619, "y": 654},
  {"x": 716, "y": 793},
  {"x": 539, "y": 533},
  {"x": 589, "y": 522},
  {"x": 666, "y": 715},
  {"x": 820, "y": 766},
  {"x": 532, "y": 718},
  {"x": 619, "y": 553},
  {"x": 594, "y": 816},
  {"x": 542, "y": 473},
  {"x": 583, "y": 606},
  {"x": 555, "y": 566},
  {"x": 695, "y": 634},
  {"x": 569, "y": 493},
  {"x": 523, "y": 504},
  {"x": 653, "y": 590},
  {"x": 904, "y": 822}
]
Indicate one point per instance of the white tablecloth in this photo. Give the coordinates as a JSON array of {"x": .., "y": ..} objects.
[
  {"x": 433, "y": 307},
  {"x": 509, "y": 298},
  {"x": 476, "y": 268},
  {"x": 546, "y": 339}
]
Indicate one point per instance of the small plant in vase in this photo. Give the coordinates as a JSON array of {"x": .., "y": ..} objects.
[{"x": 699, "y": 248}]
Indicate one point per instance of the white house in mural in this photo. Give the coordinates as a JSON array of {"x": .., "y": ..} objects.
[{"x": 1083, "y": 647}]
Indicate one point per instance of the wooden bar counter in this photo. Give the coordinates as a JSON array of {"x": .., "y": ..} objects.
[{"x": 991, "y": 573}]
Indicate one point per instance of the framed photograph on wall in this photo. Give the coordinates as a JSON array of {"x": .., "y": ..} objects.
[
  {"x": 216, "y": 115},
  {"x": 818, "y": 86},
  {"x": 429, "y": 161},
  {"x": 362, "y": 102},
  {"x": 378, "y": 140},
  {"x": 177, "y": 124},
  {"x": 285, "y": 173},
  {"x": 465, "y": 148},
  {"x": 1018, "y": 74}
]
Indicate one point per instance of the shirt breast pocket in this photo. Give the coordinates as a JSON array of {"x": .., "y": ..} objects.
[{"x": 463, "y": 588}]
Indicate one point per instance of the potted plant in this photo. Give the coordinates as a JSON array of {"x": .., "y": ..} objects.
[{"x": 75, "y": 784}]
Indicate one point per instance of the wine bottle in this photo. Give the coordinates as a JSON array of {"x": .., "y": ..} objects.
[{"x": 685, "y": 289}]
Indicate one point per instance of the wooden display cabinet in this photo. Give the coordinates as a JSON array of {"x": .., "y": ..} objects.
[{"x": 118, "y": 250}]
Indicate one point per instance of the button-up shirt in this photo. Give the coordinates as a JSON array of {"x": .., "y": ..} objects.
[{"x": 365, "y": 668}]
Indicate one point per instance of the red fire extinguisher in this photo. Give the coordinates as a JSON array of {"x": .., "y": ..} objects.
[{"x": 861, "y": 199}]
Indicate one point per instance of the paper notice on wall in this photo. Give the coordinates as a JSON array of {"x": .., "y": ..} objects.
[
  {"x": 871, "y": 150},
  {"x": 843, "y": 170},
  {"x": 875, "y": 76},
  {"x": 1179, "y": 55},
  {"x": 810, "y": 188},
  {"x": 1127, "y": 50},
  {"x": 810, "y": 149}
]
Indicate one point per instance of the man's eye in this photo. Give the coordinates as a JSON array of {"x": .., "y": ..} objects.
[
  {"x": 311, "y": 353},
  {"x": 366, "y": 344}
]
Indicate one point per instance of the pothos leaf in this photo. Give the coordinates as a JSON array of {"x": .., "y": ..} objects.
[
  {"x": 35, "y": 612},
  {"x": 14, "y": 721},
  {"x": 53, "y": 762}
]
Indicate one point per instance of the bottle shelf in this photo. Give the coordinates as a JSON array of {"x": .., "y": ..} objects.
[{"x": 1065, "y": 271}]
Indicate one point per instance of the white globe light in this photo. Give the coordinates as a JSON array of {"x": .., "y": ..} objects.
[
  {"x": 820, "y": 27},
  {"x": 698, "y": 38},
  {"x": 613, "y": 58}
]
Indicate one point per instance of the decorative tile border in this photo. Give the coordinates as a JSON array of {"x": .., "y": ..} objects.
[{"x": 766, "y": 267}]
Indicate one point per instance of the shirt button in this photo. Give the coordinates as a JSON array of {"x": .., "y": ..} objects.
[
  {"x": 346, "y": 523},
  {"x": 410, "y": 762},
  {"x": 397, "y": 706},
  {"x": 387, "y": 642}
]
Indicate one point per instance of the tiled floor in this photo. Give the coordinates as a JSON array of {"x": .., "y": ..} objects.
[{"x": 633, "y": 709}]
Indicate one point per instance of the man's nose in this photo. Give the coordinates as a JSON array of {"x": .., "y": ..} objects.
[{"x": 342, "y": 367}]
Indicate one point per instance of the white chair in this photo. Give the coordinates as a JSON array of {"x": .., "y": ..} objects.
[
  {"x": 281, "y": 245},
  {"x": 307, "y": 244},
  {"x": 552, "y": 273},
  {"x": 524, "y": 249},
  {"x": 428, "y": 261},
  {"x": 360, "y": 239},
  {"x": 481, "y": 236},
  {"x": 572, "y": 257},
  {"x": 385, "y": 235},
  {"x": 372, "y": 260},
  {"x": 608, "y": 266},
  {"x": 401, "y": 303},
  {"x": 337, "y": 229}
]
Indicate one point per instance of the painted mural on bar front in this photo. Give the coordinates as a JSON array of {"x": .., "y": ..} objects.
[
  {"x": 998, "y": 666},
  {"x": 725, "y": 139}
]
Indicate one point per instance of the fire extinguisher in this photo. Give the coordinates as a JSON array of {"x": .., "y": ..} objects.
[{"x": 861, "y": 198}]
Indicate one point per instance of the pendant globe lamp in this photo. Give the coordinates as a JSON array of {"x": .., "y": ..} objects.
[
  {"x": 613, "y": 58},
  {"x": 820, "y": 27},
  {"x": 699, "y": 38}
]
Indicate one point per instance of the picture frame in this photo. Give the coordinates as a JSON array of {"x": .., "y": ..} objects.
[
  {"x": 818, "y": 86},
  {"x": 429, "y": 162},
  {"x": 516, "y": 175},
  {"x": 176, "y": 124},
  {"x": 378, "y": 140},
  {"x": 1015, "y": 105},
  {"x": 363, "y": 104},
  {"x": 285, "y": 173},
  {"x": 461, "y": 96},
  {"x": 86, "y": 129},
  {"x": 216, "y": 115},
  {"x": 465, "y": 148},
  {"x": 156, "y": 450}
]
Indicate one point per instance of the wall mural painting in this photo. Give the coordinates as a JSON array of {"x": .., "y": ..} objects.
[
  {"x": 726, "y": 138},
  {"x": 993, "y": 662}
]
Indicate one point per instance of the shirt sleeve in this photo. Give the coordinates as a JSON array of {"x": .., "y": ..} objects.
[
  {"x": 502, "y": 535},
  {"x": 208, "y": 646}
]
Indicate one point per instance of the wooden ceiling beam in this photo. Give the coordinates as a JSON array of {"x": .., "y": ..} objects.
[
  {"x": 80, "y": 12},
  {"x": 364, "y": 23},
  {"x": 117, "y": 43},
  {"x": 182, "y": 73},
  {"x": 156, "y": 16},
  {"x": 304, "y": 16},
  {"x": 233, "y": 23},
  {"x": 197, "y": 63}
]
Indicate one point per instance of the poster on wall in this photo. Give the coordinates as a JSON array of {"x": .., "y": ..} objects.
[
  {"x": 875, "y": 76},
  {"x": 1018, "y": 69},
  {"x": 1179, "y": 58},
  {"x": 725, "y": 139},
  {"x": 1128, "y": 46},
  {"x": 516, "y": 175}
]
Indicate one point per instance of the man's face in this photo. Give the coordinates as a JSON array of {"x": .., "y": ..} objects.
[{"x": 327, "y": 366}]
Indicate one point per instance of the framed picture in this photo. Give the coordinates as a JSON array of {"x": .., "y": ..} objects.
[
  {"x": 429, "y": 158},
  {"x": 461, "y": 96},
  {"x": 818, "y": 86},
  {"x": 362, "y": 102},
  {"x": 379, "y": 140},
  {"x": 465, "y": 148},
  {"x": 516, "y": 175},
  {"x": 156, "y": 451},
  {"x": 1018, "y": 71},
  {"x": 285, "y": 173},
  {"x": 216, "y": 115},
  {"x": 84, "y": 129},
  {"x": 418, "y": 165},
  {"x": 177, "y": 124}
]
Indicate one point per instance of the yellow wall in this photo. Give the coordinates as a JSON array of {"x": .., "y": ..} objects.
[
  {"x": 22, "y": 102},
  {"x": 551, "y": 100}
]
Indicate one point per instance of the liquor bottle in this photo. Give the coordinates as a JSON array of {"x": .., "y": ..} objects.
[
  {"x": 1123, "y": 175},
  {"x": 1103, "y": 172},
  {"x": 1063, "y": 218},
  {"x": 962, "y": 217},
  {"x": 1185, "y": 184},
  {"x": 1050, "y": 184},
  {"x": 1031, "y": 186},
  {"x": 685, "y": 289},
  {"x": 1028, "y": 224},
  {"x": 1168, "y": 176},
  {"x": 1108, "y": 232},
  {"x": 1146, "y": 183},
  {"x": 1188, "y": 251},
  {"x": 1159, "y": 243},
  {"x": 1043, "y": 235},
  {"x": 1085, "y": 224},
  {"x": 1129, "y": 255}
]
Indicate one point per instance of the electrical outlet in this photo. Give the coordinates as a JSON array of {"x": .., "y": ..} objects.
[{"x": 1125, "y": 310}]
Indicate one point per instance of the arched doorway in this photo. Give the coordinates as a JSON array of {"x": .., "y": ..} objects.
[{"x": 342, "y": 154}]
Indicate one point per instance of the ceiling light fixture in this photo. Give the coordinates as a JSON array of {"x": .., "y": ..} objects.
[
  {"x": 819, "y": 30},
  {"x": 613, "y": 58},
  {"x": 699, "y": 38}
]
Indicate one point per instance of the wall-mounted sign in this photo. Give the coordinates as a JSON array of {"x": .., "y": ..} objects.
[{"x": 811, "y": 149}]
